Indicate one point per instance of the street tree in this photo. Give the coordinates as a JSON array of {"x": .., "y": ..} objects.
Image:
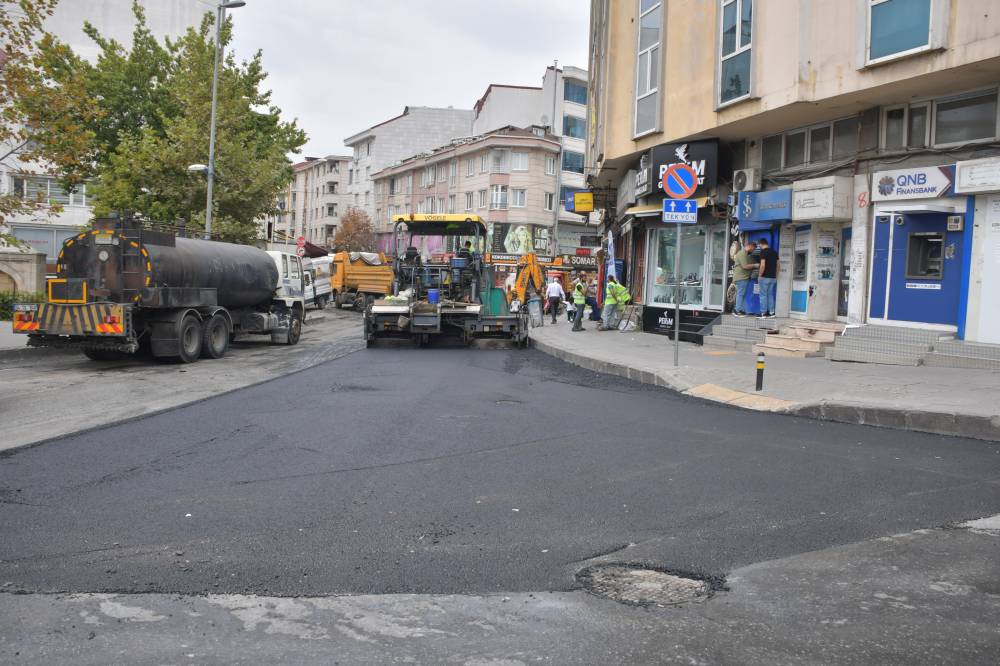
[
  {"x": 355, "y": 232},
  {"x": 45, "y": 111}
]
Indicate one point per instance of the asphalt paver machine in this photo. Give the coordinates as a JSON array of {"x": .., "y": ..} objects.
[{"x": 443, "y": 293}]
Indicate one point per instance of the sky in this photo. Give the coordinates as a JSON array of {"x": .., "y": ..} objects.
[{"x": 341, "y": 66}]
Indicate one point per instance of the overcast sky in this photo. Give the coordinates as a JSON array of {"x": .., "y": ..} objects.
[{"x": 340, "y": 66}]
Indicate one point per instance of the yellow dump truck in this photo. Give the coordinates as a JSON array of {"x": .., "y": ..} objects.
[{"x": 357, "y": 278}]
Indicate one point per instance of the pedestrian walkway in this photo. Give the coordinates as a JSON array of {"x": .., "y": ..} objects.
[
  {"x": 949, "y": 401},
  {"x": 9, "y": 339}
]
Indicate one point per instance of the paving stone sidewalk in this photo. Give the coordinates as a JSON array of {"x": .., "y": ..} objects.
[{"x": 947, "y": 401}]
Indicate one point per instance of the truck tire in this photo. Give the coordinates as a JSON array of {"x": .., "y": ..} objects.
[
  {"x": 215, "y": 337},
  {"x": 291, "y": 335},
  {"x": 338, "y": 300},
  {"x": 320, "y": 302},
  {"x": 189, "y": 339}
]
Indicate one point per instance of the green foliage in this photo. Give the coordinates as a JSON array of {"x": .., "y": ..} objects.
[
  {"x": 150, "y": 118},
  {"x": 8, "y": 298}
]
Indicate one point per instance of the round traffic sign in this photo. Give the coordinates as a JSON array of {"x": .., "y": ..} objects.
[
  {"x": 300, "y": 251},
  {"x": 300, "y": 241},
  {"x": 679, "y": 181}
]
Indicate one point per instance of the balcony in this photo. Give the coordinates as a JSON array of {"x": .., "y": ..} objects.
[{"x": 499, "y": 204}]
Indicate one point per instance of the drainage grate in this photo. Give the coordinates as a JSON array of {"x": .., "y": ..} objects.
[{"x": 641, "y": 586}]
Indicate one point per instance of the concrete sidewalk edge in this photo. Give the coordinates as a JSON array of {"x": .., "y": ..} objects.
[{"x": 956, "y": 424}]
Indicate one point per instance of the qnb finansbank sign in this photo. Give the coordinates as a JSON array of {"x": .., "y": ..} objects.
[{"x": 922, "y": 183}]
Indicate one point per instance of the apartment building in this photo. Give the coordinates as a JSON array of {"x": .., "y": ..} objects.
[
  {"x": 416, "y": 129},
  {"x": 560, "y": 104},
  {"x": 113, "y": 19},
  {"x": 508, "y": 176},
  {"x": 314, "y": 202},
  {"x": 870, "y": 160}
]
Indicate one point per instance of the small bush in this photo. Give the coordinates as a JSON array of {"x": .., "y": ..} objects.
[{"x": 8, "y": 298}]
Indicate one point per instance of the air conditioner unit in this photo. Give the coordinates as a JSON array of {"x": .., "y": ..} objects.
[{"x": 746, "y": 180}]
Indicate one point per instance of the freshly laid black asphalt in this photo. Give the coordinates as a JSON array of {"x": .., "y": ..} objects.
[{"x": 450, "y": 470}]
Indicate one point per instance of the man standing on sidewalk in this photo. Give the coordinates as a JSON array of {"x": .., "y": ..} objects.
[
  {"x": 555, "y": 294},
  {"x": 743, "y": 266},
  {"x": 591, "y": 283},
  {"x": 768, "y": 279}
]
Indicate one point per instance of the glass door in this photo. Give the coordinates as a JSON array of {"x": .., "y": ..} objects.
[{"x": 715, "y": 267}]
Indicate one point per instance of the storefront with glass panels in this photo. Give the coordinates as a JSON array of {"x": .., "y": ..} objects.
[{"x": 702, "y": 256}]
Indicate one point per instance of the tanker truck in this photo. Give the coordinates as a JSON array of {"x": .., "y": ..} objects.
[{"x": 122, "y": 288}]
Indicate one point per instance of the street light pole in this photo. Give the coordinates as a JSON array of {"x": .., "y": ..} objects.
[{"x": 219, "y": 18}]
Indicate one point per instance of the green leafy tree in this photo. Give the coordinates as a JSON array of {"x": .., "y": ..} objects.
[{"x": 45, "y": 111}]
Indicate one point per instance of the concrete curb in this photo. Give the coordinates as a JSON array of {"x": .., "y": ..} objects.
[{"x": 954, "y": 424}]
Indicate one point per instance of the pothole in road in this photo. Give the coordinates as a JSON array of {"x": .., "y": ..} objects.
[{"x": 643, "y": 586}]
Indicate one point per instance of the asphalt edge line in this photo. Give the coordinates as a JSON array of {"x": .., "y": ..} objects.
[
  {"x": 937, "y": 423},
  {"x": 7, "y": 453}
]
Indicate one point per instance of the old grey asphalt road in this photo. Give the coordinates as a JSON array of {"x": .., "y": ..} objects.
[{"x": 448, "y": 486}]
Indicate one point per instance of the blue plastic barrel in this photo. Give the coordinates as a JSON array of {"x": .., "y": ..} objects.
[{"x": 433, "y": 296}]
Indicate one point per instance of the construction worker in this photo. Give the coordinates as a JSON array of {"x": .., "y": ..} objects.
[
  {"x": 579, "y": 300},
  {"x": 613, "y": 295}
]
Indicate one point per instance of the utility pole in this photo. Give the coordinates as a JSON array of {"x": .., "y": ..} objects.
[{"x": 558, "y": 195}]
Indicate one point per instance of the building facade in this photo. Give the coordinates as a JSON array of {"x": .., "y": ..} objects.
[
  {"x": 313, "y": 203},
  {"x": 560, "y": 104},
  {"x": 507, "y": 176},
  {"x": 842, "y": 152},
  {"x": 416, "y": 129}
]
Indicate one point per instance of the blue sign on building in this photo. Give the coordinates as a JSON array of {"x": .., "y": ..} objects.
[{"x": 760, "y": 210}]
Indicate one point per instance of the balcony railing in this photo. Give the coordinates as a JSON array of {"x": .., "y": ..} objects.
[{"x": 499, "y": 204}]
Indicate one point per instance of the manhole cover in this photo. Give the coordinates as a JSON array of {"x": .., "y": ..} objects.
[{"x": 642, "y": 587}]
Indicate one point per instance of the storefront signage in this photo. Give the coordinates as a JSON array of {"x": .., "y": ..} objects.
[
  {"x": 702, "y": 156},
  {"x": 975, "y": 176},
  {"x": 577, "y": 261},
  {"x": 813, "y": 204},
  {"x": 643, "y": 181},
  {"x": 922, "y": 183},
  {"x": 590, "y": 241},
  {"x": 583, "y": 202},
  {"x": 772, "y": 206}
]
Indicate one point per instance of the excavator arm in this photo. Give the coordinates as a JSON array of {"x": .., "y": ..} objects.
[{"x": 529, "y": 273}]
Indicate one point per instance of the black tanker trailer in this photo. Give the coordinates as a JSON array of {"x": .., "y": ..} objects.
[{"x": 121, "y": 288}]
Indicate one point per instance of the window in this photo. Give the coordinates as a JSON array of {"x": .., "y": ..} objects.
[
  {"x": 894, "y": 132},
  {"x": 498, "y": 161},
  {"x": 845, "y": 137},
  {"x": 440, "y": 205},
  {"x": 482, "y": 198},
  {"x": 647, "y": 66},
  {"x": 795, "y": 149},
  {"x": 897, "y": 27},
  {"x": 518, "y": 198},
  {"x": 453, "y": 172},
  {"x": 428, "y": 177},
  {"x": 735, "y": 56},
  {"x": 470, "y": 167},
  {"x": 350, "y": 176},
  {"x": 917, "y": 127},
  {"x": 498, "y": 197},
  {"x": 519, "y": 161},
  {"x": 331, "y": 210},
  {"x": 47, "y": 190},
  {"x": 550, "y": 201},
  {"x": 484, "y": 163},
  {"x": 574, "y": 127},
  {"x": 819, "y": 144},
  {"x": 409, "y": 183},
  {"x": 468, "y": 201},
  {"x": 331, "y": 188},
  {"x": 442, "y": 173},
  {"x": 550, "y": 165},
  {"x": 368, "y": 149},
  {"x": 451, "y": 203},
  {"x": 572, "y": 161},
  {"x": 356, "y": 199},
  {"x": 925, "y": 256},
  {"x": 574, "y": 92},
  {"x": 964, "y": 119},
  {"x": 367, "y": 198}
]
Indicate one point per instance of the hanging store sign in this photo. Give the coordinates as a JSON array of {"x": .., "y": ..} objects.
[
  {"x": 922, "y": 183},
  {"x": 702, "y": 156},
  {"x": 643, "y": 179},
  {"x": 626, "y": 192}
]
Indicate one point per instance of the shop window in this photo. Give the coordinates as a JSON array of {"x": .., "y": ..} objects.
[
  {"x": 896, "y": 27},
  {"x": 692, "y": 266},
  {"x": 800, "y": 268},
  {"x": 795, "y": 149},
  {"x": 771, "y": 157},
  {"x": 965, "y": 119},
  {"x": 925, "y": 256}
]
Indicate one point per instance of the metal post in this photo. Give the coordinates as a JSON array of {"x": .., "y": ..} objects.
[
  {"x": 554, "y": 244},
  {"x": 677, "y": 296},
  {"x": 760, "y": 371},
  {"x": 220, "y": 17}
]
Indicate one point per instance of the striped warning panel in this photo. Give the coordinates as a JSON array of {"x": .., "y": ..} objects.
[{"x": 89, "y": 319}]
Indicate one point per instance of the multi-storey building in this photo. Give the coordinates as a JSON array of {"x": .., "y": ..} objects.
[
  {"x": 560, "y": 104},
  {"x": 314, "y": 202},
  {"x": 417, "y": 129},
  {"x": 841, "y": 131},
  {"x": 508, "y": 176},
  {"x": 114, "y": 20}
]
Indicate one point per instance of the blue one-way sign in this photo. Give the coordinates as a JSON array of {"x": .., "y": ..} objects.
[{"x": 684, "y": 211}]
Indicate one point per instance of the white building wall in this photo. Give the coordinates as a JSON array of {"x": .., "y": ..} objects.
[
  {"x": 510, "y": 105},
  {"x": 417, "y": 130}
]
